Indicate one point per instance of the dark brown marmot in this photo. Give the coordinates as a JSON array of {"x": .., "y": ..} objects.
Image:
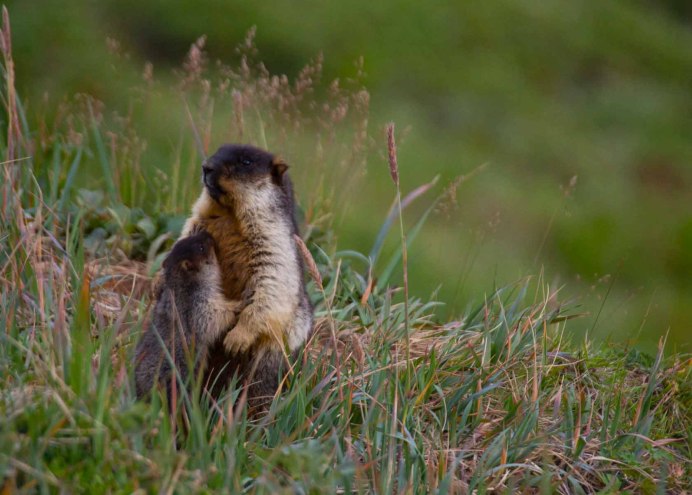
[{"x": 190, "y": 314}]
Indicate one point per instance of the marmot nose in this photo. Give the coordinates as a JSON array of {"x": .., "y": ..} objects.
[{"x": 206, "y": 168}]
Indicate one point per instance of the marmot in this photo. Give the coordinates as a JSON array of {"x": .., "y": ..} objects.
[
  {"x": 190, "y": 314},
  {"x": 247, "y": 206}
]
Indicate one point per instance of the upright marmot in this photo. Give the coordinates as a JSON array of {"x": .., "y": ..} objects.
[
  {"x": 189, "y": 315},
  {"x": 247, "y": 206}
]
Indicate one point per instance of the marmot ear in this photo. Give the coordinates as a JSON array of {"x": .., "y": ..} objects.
[
  {"x": 186, "y": 265},
  {"x": 279, "y": 167}
]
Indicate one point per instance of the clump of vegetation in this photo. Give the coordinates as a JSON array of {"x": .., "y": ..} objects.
[{"x": 384, "y": 399}]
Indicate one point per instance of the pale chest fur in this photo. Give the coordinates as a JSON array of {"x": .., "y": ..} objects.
[{"x": 268, "y": 237}]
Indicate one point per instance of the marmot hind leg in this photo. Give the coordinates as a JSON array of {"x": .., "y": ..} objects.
[{"x": 263, "y": 377}]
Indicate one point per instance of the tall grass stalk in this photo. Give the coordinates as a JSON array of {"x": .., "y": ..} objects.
[{"x": 394, "y": 171}]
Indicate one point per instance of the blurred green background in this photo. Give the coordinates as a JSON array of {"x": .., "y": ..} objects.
[{"x": 535, "y": 92}]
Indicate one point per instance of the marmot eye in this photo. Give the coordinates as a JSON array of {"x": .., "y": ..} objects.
[{"x": 245, "y": 161}]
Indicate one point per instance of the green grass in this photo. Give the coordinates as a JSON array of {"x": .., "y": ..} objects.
[
  {"x": 386, "y": 398},
  {"x": 497, "y": 401}
]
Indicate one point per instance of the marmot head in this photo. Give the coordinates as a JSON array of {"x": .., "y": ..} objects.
[
  {"x": 190, "y": 256},
  {"x": 237, "y": 169}
]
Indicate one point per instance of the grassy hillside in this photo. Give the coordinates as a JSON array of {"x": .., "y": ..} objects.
[
  {"x": 535, "y": 93},
  {"x": 387, "y": 396}
]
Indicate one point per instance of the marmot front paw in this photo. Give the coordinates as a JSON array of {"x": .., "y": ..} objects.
[{"x": 239, "y": 339}]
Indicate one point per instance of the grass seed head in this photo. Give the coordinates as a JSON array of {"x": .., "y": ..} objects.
[{"x": 391, "y": 152}]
